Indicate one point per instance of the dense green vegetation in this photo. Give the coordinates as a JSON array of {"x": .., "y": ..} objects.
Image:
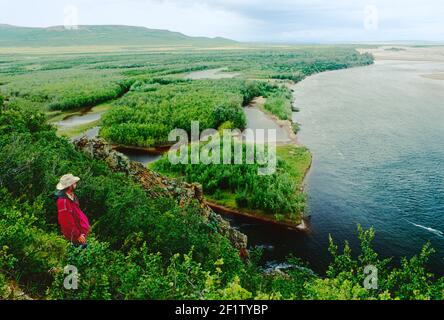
[
  {"x": 155, "y": 98},
  {"x": 278, "y": 102},
  {"x": 153, "y": 108},
  {"x": 50, "y": 80},
  {"x": 61, "y": 90},
  {"x": 32, "y": 158},
  {"x": 240, "y": 185},
  {"x": 145, "y": 248},
  {"x": 152, "y": 248},
  {"x": 151, "y": 97}
]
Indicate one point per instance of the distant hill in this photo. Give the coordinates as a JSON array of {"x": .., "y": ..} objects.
[{"x": 109, "y": 35}]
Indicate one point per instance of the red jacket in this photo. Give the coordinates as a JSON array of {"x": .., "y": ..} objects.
[{"x": 73, "y": 222}]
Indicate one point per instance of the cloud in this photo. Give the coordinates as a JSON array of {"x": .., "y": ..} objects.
[
  {"x": 191, "y": 18},
  {"x": 250, "y": 20}
]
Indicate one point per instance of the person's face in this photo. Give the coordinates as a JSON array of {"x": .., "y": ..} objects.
[{"x": 72, "y": 188}]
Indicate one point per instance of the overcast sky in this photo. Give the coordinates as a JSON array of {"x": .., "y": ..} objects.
[{"x": 247, "y": 20}]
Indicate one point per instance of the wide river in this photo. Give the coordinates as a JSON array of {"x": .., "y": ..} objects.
[{"x": 377, "y": 138}]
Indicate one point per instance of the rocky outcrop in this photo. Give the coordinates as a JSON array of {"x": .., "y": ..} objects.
[{"x": 157, "y": 185}]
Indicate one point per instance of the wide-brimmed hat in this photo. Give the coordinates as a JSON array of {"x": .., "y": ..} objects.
[{"x": 67, "y": 181}]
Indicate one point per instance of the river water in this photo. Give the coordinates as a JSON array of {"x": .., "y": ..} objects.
[
  {"x": 80, "y": 119},
  {"x": 377, "y": 138}
]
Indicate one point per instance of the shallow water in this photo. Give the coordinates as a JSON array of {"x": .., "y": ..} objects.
[
  {"x": 80, "y": 119},
  {"x": 376, "y": 134},
  {"x": 211, "y": 74},
  {"x": 257, "y": 119},
  {"x": 141, "y": 156}
]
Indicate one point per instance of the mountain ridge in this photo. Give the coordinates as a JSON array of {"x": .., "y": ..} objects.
[{"x": 59, "y": 36}]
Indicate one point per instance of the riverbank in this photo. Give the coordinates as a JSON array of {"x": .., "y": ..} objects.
[
  {"x": 298, "y": 162},
  {"x": 239, "y": 190},
  {"x": 292, "y": 154},
  {"x": 406, "y": 53},
  {"x": 72, "y": 124},
  {"x": 297, "y": 159},
  {"x": 294, "y": 164},
  {"x": 256, "y": 215},
  {"x": 286, "y": 125},
  {"x": 375, "y": 135},
  {"x": 287, "y": 147}
]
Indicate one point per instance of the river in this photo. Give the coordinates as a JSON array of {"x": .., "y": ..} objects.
[{"x": 376, "y": 134}]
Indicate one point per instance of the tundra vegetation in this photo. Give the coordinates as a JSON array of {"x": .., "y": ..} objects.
[
  {"x": 147, "y": 94},
  {"x": 152, "y": 248},
  {"x": 238, "y": 186}
]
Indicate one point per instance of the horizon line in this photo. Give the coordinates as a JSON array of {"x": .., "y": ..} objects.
[{"x": 262, "y": 42}]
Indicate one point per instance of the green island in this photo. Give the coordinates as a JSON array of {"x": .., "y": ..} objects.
[
  {"x": 238, "y": 189},
  {"x": 145, "y": 244}
]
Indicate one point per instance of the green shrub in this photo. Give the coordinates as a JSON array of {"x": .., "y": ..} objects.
[
  {"x": 145, "y": 118},
  {"x": 276, "y": 193},
  {"x": 32, "y": 159}
]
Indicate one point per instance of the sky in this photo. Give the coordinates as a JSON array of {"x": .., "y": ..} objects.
[{"x": 246, "y": 20}]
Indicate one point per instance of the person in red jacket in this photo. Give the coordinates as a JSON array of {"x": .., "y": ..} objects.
[{"x": 73, "y": 222}]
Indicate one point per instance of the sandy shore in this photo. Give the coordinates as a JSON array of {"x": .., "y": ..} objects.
[
  {"x": 285, "y": 127},
  {"x": 414, "y": 54},
  {"x": 406, "y": 53}
]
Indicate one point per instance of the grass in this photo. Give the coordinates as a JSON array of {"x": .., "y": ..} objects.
[{"x": 298, "y": 160}]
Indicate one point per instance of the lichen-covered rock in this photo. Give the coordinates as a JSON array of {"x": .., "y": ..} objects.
[{"x": 157, "y": 185}]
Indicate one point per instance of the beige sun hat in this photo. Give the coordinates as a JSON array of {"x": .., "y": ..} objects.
[{"x": 66, "y": 181}]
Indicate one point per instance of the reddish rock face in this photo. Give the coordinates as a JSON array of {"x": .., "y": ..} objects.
[{"x": 156, "y": 185}]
